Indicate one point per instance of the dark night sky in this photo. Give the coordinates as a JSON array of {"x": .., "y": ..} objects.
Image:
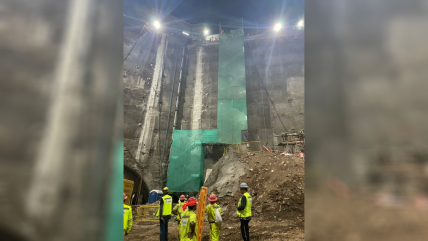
[{"x": 264, "y": 12}]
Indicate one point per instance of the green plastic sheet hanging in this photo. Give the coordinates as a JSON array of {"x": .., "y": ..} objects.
[
  {"x": 186, "y": 161},
  {"x": 232, "y": 95}
]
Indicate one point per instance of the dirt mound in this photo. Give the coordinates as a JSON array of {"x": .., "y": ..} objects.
[
  {"x": 224, "y": 177},
  {"x": 276, "y": 184}
]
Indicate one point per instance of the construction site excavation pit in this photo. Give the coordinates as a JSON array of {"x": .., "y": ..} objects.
[
  {"x": 215, "y": 111},
  {"x": 276, "y": 183}
]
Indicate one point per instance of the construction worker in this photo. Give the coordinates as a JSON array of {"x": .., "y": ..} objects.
[
  {"x": 244, "y": 211},
  {"x": 127, "y": 217},
  {"x": 164, "y": 213},
  {"x": 178, "y": 211},
  {"x": 182, "y": 200},
  {"x": 210, "y": 210},
  {"x": 189, "y": 221}
]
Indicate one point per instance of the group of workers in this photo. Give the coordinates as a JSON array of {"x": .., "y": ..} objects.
[{"x": 185, "y": 212}]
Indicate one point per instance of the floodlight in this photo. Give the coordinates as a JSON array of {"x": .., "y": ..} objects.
[{"x": 206, "y": 31}]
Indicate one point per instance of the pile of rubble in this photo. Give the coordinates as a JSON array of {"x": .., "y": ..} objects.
[{"x": 276, "y": 184}]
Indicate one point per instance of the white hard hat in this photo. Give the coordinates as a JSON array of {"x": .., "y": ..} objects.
[{"x": 243, "y": 185}]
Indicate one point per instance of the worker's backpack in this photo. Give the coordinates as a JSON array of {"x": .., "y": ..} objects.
[{"x": 218, "y": 218}]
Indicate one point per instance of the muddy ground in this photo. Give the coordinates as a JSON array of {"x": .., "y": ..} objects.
[
  {"x": 259, "y": 230},
  {"x": 277, "y": 186}
]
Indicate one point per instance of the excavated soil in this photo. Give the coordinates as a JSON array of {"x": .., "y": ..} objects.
[{"x": 276, "y": 184}]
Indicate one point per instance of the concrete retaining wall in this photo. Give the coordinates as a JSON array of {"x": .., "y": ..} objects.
[{"x": 148, "y": 76}]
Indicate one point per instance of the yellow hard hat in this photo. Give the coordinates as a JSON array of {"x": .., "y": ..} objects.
[{"x": 165, "y": 189}]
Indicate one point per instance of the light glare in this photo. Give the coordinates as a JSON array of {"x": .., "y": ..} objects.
[
  {"x": 300, "y": 24},
  {"x": 156, "y": 24},
  {"x": 277, "y": 27}
]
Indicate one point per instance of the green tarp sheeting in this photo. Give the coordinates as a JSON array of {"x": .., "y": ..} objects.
[
  {"x": 232, "y": 95},
  {"x": 186, "y": 161}
]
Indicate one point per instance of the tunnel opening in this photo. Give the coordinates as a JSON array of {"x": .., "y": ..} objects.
[{"x": 136, "y": 178}]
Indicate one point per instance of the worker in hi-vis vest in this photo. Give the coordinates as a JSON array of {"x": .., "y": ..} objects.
[
  {"x": 127, "y": 217},
  {"x": 210, "y": 210},
  {"x": 178, "y": 212},
  {"x": 189, "y": 221},
  {"x": 244, "y": 211},
  {"x": 164, "y": 214}
]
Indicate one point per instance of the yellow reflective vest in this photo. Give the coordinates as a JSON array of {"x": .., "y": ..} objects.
[
  {"x": 127, "y": 218},
  {"x": 247, "y": 211},
  {"x": 178, "y": 210},
  {"x": 167, "y": 206},
  {"x": 210, "y": 210},
  {"x": 188, "y": 217}
]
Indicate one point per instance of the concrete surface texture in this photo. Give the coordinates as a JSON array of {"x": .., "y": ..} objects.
[
  {"x": 197, "y": 97},
  {"x": 275, "y": 85},
  {"x": 148, "y": 88},
  {"x": 274, "y": 67}
]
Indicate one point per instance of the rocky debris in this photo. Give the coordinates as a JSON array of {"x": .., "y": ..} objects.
[
  {"x": 276, "y": 184},
  {"x": 224, "y": 177}
]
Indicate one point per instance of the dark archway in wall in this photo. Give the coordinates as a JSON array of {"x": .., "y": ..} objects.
[{"x": 135, "y": 177}]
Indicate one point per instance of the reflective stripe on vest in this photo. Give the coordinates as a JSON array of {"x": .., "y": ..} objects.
[
  {"x": 184, "y": 220},
  {"x": 247, "y": 211},
  {"x": 167, "y": 205}
]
